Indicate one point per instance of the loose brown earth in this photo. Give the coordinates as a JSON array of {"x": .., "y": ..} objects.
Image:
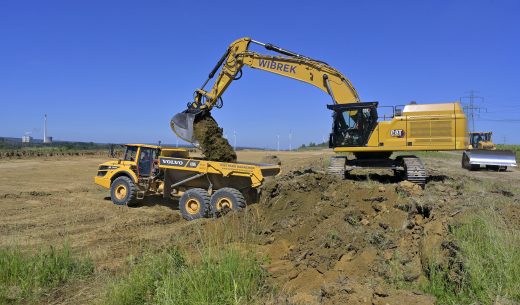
[
  {"x": 365, "y": 240},
  {"x": 211, "y": 140}
]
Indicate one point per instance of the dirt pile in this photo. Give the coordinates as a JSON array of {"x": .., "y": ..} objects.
[
  {"x": 212, "y": 142},
  {"x": 333, "y": 241}
]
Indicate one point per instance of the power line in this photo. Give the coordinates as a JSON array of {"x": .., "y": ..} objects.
[{"x": 471, "y": 109}]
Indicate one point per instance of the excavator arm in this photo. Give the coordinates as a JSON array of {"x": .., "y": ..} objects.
[{"x": 289, "y": 64}]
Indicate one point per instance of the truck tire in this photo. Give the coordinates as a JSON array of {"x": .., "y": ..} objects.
[
  {"x": 226, "y": 198},
  {"x": 194, "y": 204},
  {"x": 123, "y": 191}
]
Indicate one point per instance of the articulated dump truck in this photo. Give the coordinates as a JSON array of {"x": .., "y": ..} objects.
[{"x": 203, "y": 188}]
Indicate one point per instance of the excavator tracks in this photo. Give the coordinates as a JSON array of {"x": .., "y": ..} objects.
[
  {"x": 337, "y": 167},
  {"x": 411, "y": 167},
  {"x": 414, "y": 170}
]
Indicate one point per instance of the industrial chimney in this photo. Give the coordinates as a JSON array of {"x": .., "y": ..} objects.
[{"x": 46, "y": 139}]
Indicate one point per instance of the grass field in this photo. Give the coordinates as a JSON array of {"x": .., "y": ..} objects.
[
  {"x": 312, "y": 241},
  {"x": 24, "y": 276},
  {"x": 484, "y": 267}
]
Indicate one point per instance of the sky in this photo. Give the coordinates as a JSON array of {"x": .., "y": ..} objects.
[{"x": 117, "y": 71}]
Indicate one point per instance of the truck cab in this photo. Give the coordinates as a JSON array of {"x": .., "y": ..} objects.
[
  {"x": 134, "y": 175},
  {"x": 137, "y": 162}
]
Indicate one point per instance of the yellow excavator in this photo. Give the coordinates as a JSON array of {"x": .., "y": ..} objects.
[{"x": 356, "y": 127}]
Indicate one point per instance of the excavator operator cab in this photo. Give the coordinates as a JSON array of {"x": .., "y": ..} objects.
[{"x": 352, "y": 124}]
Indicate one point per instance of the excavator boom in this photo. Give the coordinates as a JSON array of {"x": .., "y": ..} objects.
[{"x": 288, "y": 64}]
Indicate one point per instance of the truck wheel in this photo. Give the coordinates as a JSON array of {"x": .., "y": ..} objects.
[
  {"x": 123, "y": 191},
  {"x": 226, "y": 198},
  {"x": 194, "y": 204}
]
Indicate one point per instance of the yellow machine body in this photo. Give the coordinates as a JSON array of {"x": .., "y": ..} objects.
[
  {"x": 419, "y": 127},
  {"x": 202, "y": 187},
  {"x": 481, "y": 140},
  {"x": 177, "y": 164},
  {"x": 357, "y": 127},
  {"x": 110, "y": 170}
]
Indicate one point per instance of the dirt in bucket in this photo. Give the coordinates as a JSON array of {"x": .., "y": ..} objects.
[{"x": 211, "y": 140}]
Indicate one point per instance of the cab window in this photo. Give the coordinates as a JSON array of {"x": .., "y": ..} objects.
[
  {"x": 352, "y": 127},
  {"x": 131, "y": 152},
  {"x": 348, "y": 117},
  {"x": 146, "y": 161}
]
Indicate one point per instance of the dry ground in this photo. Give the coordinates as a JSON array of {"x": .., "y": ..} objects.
[{"x": 51, "y": 201}]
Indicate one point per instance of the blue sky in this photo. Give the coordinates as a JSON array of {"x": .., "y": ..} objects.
[{"x": 116, "y": 71}]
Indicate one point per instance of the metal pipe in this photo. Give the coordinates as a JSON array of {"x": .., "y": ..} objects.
[
  {"x": 272, "y": 47},
  {"x": 187, "y": 179},
  {"x": 326, "y": 79},
  {"x": 215, "y": 69},
  {"x": 258, "y": 42}
]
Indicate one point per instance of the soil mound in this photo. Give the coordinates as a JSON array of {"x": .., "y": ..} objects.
[
  {"x": 212, "y": 142},
  {"x": 334, "y": 241}
]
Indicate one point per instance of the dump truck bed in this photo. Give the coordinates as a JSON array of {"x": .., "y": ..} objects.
[{"x": 255, "y": 172}]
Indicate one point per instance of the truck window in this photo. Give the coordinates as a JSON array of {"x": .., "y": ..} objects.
[
  {"x": 146, "y": 161},
  {"x": 131, "y": 152}
]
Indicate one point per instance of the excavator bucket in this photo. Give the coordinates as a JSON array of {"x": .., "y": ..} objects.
[
  {"x": 501, "y": 159},
  {"x": 182, "y": 125}
]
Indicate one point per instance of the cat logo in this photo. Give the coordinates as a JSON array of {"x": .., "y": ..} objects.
[{"x": 398, "y": 133}]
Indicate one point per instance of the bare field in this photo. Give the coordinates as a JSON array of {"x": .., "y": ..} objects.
[{"x": 328, "y": 241}]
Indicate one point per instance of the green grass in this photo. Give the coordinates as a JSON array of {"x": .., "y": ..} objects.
[
  {"x": 141, "y": 282},
  {"x": 24, "y": 276},
  {"x": 490, "y": 256},
  {"x": 514, "y": 148},
  {"x": 219, "y": 277}
]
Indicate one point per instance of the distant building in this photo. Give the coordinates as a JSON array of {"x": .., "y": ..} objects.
[
  {"x": 47, "y": 140},
  {"x": 27, "y": 139}
]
